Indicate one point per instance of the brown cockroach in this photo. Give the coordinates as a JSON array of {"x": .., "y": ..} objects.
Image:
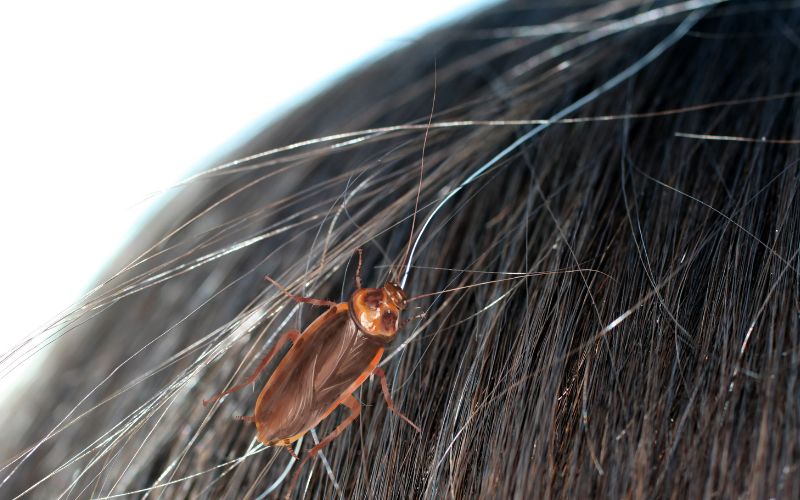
[
  {"x": 327, "y": 362},
  {"x": 331, "y": 358}
]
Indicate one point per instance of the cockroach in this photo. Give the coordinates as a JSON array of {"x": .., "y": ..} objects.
[
  {"x": 326, "y": 363},
  {"x": 330, "y": 359}
]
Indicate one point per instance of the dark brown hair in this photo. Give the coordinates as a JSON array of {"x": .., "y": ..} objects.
[{"x": 643, "y": 157}]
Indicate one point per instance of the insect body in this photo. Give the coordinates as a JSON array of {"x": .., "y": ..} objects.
[{"x": 335, "y": 354}]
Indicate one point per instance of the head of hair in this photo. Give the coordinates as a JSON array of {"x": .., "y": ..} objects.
[{"x": 624, "y": 175}]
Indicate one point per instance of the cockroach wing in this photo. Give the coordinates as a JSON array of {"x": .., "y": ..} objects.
[{"x": 330, "y": 359}]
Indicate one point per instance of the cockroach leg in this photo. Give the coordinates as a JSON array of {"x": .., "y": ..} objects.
[
  {"x": 388, "y": 397},
  {"x": 355, "y": 411},
  {"x": 291, "y": 451},
  {"x": 245, "y": 418},
  {"x": 292, "y": 335},
  {"x": 300, "y": 298}
]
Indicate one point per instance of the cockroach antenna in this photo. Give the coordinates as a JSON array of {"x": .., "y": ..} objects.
[
  {"x": 419, "y": 188},
  {"x": 624, "y": 75}
]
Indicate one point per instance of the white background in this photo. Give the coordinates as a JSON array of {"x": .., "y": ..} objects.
[{"x": 105, "y": 104}]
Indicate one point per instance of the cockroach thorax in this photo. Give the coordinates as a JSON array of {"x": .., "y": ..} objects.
[{"x": 376, "y": 311}]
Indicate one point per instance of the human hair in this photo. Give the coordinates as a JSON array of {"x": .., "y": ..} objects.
[{"x": 611, "y": 188}]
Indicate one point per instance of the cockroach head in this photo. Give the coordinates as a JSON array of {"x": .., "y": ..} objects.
[{"x": 395, "y": 294}]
